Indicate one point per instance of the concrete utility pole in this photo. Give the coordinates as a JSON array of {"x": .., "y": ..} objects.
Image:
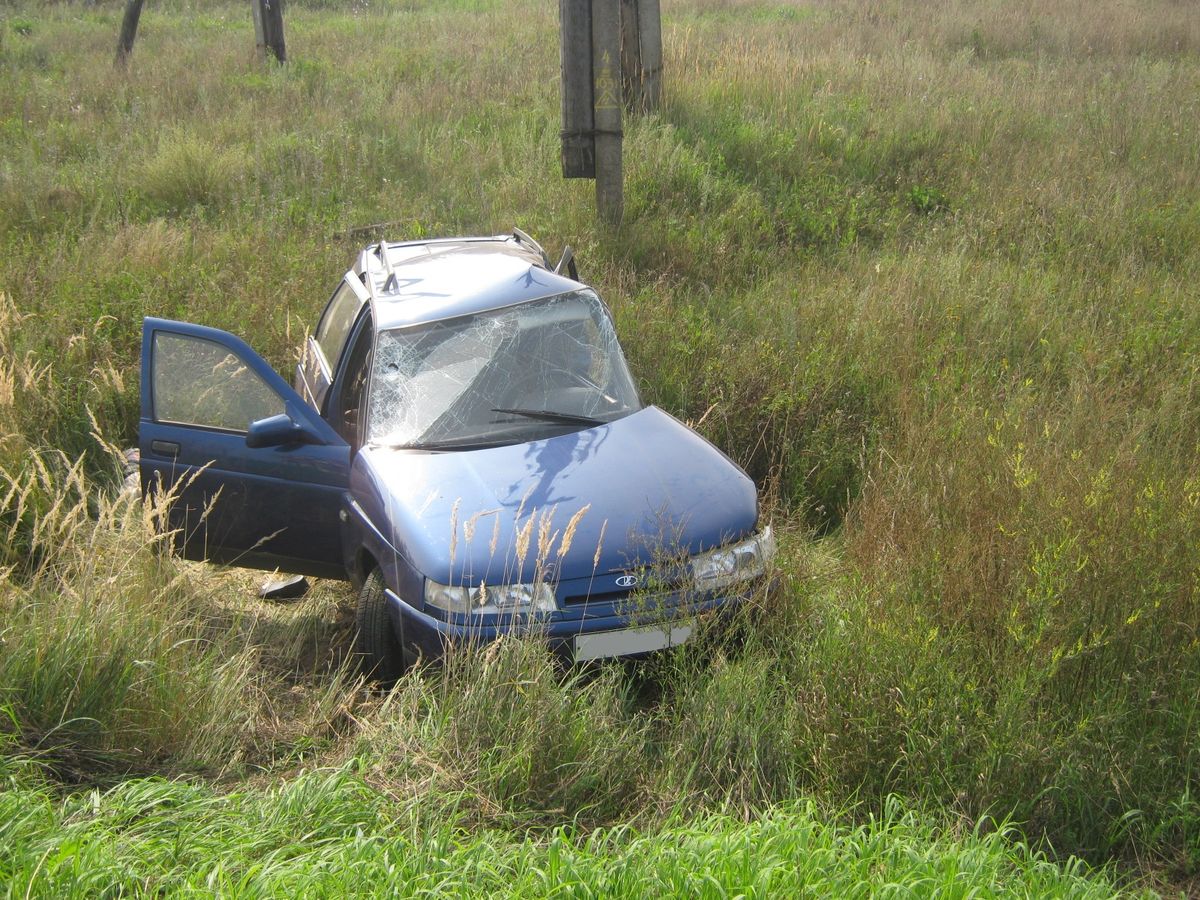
[
  {"x": 578, "y": 123},
  {"x": 606, "y": 60},
  {"x": 641, "y": 54},
  {"x": 611, "y": 58},
  {"x": 650, "y": 46},
  {"x": 129, "y": 24}
]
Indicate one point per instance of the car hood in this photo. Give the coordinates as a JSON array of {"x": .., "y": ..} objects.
[{"x": 604, "y": 499}]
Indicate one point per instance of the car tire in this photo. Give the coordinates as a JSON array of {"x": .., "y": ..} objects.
[{"x": 378, "y": 646}]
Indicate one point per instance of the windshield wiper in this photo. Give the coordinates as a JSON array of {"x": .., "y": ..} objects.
[
  {"x": 450, "y": 445},
  {"x": 545, "y": 415}
]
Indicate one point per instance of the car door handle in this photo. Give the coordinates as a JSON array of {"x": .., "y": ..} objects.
[{"x": 165, "y": 448}]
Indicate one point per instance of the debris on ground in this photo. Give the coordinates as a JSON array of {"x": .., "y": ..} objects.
[
  {"x": 291, "y": 588},
  {"x": 132, "y": 482}
]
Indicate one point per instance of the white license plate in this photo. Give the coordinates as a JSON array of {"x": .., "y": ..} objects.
[{"x": 631, "y": 640}]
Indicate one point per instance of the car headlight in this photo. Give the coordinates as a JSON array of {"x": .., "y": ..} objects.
[
  {"x": 490, "y": 598},
  {"x": 734, "y": 563}
]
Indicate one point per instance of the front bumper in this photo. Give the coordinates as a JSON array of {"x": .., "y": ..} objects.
[{"x": 431, "y": 635}]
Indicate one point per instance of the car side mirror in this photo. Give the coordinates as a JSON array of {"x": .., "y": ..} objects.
[{"x": 279, "y": 431}]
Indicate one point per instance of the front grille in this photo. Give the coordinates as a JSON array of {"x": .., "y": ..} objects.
[
  {"x": 603, "y": 597},
  {"x": 669, "y": 593}
]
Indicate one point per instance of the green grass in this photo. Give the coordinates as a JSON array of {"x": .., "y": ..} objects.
[
  {"x": 326, "y": 832},
  {"x": 929, "y": 274}
]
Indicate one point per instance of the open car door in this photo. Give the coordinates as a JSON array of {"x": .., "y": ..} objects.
[{"x": 259, "y": 478}]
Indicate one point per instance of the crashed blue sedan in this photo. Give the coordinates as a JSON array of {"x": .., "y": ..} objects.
[{"x": 464, "y": 442}]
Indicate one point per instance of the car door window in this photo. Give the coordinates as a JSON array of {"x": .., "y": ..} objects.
[
  {"x": 199, "y": 382},
  {"x": 335, "y": 324}
]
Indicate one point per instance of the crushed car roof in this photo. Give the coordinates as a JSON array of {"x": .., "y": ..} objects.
[{"x": 423, "y": 281}]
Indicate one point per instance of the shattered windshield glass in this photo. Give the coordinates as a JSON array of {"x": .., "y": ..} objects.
[{"x": 514, "y": 374}]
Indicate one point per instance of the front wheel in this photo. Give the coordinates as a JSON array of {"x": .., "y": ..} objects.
[{"x": 379, "y": 649}]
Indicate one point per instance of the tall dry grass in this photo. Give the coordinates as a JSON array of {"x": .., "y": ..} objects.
[{"x": 113, "y": 655}]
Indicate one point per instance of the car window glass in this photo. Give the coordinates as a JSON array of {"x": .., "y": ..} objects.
[
  {"x": 200, "y": 382},
  {"x": 335, "y": 324},
  {"x": 352, "y": 390},
  {"x": 460, "y": 379}
]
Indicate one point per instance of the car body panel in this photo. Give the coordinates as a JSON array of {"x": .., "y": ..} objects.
[
  {"x": 638, "y": 487},
  {"x": 313, "y": 379},
  {"x": 459, "y": 278},
  {"x": 269, "y": 507}
]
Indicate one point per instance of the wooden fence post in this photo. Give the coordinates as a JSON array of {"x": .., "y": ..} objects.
[
  {"x": 268, "y": 28},
  {"x": 606, "y": 71},
  {"x": 578, "y": 123},
  {"x": 129, "y": 24}
]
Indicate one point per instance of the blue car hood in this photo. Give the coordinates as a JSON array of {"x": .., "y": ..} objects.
[{"x": 605, "y": 499}]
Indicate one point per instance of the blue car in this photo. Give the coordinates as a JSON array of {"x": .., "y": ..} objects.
[{"x": 464, "y": 442}]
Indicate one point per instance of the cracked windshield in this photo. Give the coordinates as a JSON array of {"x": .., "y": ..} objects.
[{"x": 515, "y": 374}]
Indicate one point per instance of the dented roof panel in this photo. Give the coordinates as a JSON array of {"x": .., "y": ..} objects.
[{"x": 449, "y": 278}]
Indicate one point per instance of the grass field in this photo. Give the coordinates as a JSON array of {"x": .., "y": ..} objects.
[{"x": 928, "y": 272}]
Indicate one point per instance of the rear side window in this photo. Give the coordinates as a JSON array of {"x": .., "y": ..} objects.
[
  {"x": 334, "y": 327},
  {"x": 199, "y": 382}
]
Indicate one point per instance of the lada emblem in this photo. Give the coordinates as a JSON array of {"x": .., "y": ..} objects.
[{"x": 627, "y": 581}]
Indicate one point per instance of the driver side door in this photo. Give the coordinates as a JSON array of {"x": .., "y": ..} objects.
[{"x": 270, "y": 502}]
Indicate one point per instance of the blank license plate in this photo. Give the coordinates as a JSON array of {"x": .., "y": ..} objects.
[{"x": 631, "y": 640}]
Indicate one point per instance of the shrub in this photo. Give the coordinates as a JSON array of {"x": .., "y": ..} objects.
[{"x": 188, "y": 171}]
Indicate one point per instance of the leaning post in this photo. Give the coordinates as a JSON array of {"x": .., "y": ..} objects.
[
  {"x": 606, "y": 71},
  {"x": 129, "y": 25}
]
